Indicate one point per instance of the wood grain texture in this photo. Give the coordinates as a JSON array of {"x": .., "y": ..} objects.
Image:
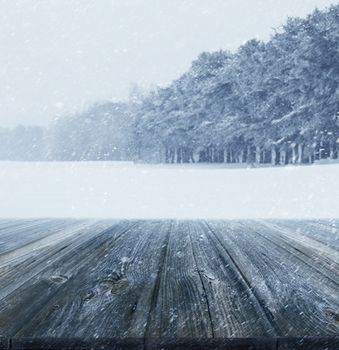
[{"x": 170, "y": 279}]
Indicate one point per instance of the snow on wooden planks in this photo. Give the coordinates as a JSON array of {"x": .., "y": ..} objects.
[{"x": 195, "y": 279}]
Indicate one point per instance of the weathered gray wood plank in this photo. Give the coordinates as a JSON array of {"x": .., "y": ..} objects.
[
  {"x": 103, "y": 288},
  {"x": 326, "y": 232},
  {"x": 20, "y": 265},
  {"x": 298, "y": 289},
  {"x": 235, "y": 310},
  {"x": 179, "y": 308},
  {"x": 145, "y": 279}
]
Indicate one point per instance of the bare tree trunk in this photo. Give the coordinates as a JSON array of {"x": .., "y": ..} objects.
[
  {"x": 166, "y": 155},
  {"x": 215, "y": 155},
  {"x": 294, "y": 154},
  {"x": 315, "y": 153},
  {"x": 201, "y": 156},
  {"x": 283, "y": 157},
  {"x": 208, "y": 154},
  {"x": 185, "y": 157},
  {"x": 221, "y": 155},
  {"x": 191, "y": 155},
  {"x": 331, "y": 152},
  {"x": 300, "y": 153},
  {"x": 288, "y": 158},
  {"x": 241, "y": 156},
  {"x": 172, "y": 156},
  {"x": 249, "y": 154},
  {"x": 273, "y": 155},
  {"x": 179, "y": 155},
  {"x": 257, "y": 155},
  {"x": 320, "y": 153}
]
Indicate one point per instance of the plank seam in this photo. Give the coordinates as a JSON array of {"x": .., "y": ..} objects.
[
  {"x": 266, "y": 312},
  {"x": 203, "y": 285},
  {"x": 298, "y": 257},
  {"x": 156, "y": 288}
]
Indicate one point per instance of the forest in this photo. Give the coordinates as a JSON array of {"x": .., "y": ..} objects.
[{"x": 274, "y": 102}]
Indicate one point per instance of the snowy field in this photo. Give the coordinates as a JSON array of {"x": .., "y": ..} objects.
[{"x": 126, "y": 190}]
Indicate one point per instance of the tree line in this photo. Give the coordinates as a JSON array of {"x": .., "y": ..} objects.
[{"x": 275, "y": 102}]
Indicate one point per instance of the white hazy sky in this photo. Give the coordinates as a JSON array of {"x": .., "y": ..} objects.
[{"x": 58, "y": 56}]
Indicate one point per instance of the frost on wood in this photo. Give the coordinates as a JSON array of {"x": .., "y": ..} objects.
[{"x": 170, "y": 279}]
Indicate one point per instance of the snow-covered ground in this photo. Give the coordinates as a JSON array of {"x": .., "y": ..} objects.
[{"x": 126, "y": 190}]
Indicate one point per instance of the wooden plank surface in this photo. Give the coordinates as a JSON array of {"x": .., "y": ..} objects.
[{"x": 182, "y": 279}]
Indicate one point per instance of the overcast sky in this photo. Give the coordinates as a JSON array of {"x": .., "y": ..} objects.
[{"x": 59, "y": 56}]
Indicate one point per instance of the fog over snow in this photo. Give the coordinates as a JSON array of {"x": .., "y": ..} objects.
[{"x": 59, "y": 56}]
